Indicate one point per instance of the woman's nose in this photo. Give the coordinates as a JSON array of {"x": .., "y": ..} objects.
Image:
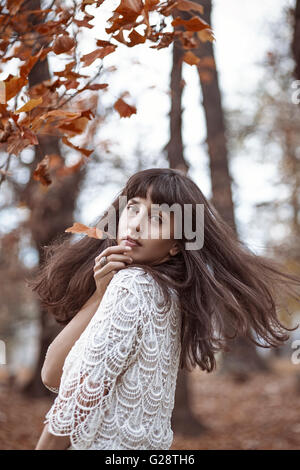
[{"x": 136, "y": 222}]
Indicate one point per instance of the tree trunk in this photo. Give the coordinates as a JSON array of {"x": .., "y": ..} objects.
[
  {"x": 183, "y": 420},
  {"x": 174, "y": 147},
  {"x": 296, "y": 40},
  {"x": 182, "y": 413}
]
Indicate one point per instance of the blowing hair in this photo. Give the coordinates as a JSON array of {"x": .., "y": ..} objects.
[{"x": 222, "y": 286}]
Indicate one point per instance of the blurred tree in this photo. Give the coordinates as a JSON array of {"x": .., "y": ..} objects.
[
  {"x": 174, "y": 148},
  {"x": 183, "y": 412},
  {"x": 296, "y": 39}
]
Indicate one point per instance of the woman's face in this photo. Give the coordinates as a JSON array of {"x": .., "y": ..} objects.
[{"x": 154, "y": 230}]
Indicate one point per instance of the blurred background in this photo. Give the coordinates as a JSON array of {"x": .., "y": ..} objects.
[{"x": 232, "y": 124}]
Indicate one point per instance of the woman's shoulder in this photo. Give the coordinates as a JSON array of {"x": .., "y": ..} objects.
[{"x": 133, "y": 274}]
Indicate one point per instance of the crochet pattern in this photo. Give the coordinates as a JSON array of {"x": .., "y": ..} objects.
[{"x": 118, "y": 384}]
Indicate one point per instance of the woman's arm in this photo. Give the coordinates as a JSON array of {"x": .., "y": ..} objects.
[
  {"x": 59, "y": 348},
  {"x": 112, "y": 344},
  {"x": 48, "y": 441}
]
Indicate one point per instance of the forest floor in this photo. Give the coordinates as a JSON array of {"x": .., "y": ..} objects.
[{"x": 262, "y": 413}]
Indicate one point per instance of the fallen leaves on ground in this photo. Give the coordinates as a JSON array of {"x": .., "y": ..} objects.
[{"x": 263, "y": 413}]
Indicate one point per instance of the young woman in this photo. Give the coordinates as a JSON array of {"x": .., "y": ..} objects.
[{"x": 135, "y": 314}]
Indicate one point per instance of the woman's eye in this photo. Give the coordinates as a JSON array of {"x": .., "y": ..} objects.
[
  {"x": 131, "y": 206},
  {"x": 158, "y": 219}
]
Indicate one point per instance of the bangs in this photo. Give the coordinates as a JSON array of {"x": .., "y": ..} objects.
[{"x": 161, "y": 188}]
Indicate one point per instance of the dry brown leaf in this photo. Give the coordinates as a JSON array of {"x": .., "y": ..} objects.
[
  {"x": 41, "y": 173},
  {"x": 29, "y": 105},
  {"x": 124, "y": 109}
]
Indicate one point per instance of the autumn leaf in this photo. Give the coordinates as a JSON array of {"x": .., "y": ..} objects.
[
  {"x": 88, "y": 59},
  {"x": 86, "y": 152},
  {"x": 26, "y": 68},
  {"x": 206, "y": 35},
  {"x": 41, "y": 172},
  {"x": 186, "y": 5},
  {"x": 75, "y": 127},
  {"x": 29, "y": 105},
  {"x": 124, "y": 109},
  {"x": 96, "y": 86},
  {"x": 129, "y": 9},
  {"x": 63, "y": 44},
  {"x": 42, "y": 34},
  {"x": 125, "y": 15},
  {"x": 193, "y": 24},
  {"x": 13, "y": 86},
  {"x": 135, "y": 38},
  {"x": 190, "y": 58},
  {"x": 92, "y": 232},
  {"x": 14, "y": 6},
  {"x": 85, "y": 22},
  {"x": 17, "y": 141},
  {"x": 69, "y": 170}
]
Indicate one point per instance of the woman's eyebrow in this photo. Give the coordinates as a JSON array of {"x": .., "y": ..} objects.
[
  {"x": 154, "y": 209},
  {"x": 134, "y": 200}
]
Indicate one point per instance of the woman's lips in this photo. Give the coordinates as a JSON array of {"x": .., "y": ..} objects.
[{"x": 130, "y": 243}]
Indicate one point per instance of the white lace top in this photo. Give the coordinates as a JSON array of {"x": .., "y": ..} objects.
[{"x": 117, "y": 388}]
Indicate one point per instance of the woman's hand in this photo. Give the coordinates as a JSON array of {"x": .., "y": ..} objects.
[{"x": 116, "y": 259}]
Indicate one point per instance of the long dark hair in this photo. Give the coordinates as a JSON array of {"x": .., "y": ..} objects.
[{"x": 222, "y": 284}]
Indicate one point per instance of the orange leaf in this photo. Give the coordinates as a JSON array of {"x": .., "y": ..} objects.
[
  {"x": 86, "y": 152},
  {"x": 124, "y": 109},
  {"x": 83, "y": 23},
  {"x": 96, "y": 86},
  {"x": 91, "y": 232},
  {"x": 136, "y": 38},
  {"x": 88, "y": 59},
  {"x": 41, "y": 172},
  {"x": 29, "y": 105},
  {"x": 26, "y": 68},
  {"x": 14, "y": 6},
  {"x": 127, "y": 7},
  {"x": 68, "y": 170},
  {"x": 63, "y": 44},
  {"x": 206, "y": 35},
  {"x": 190, "y": 58},
  {"x": 75, "y": 127},
  {"x": 193, "y": 24},
  {"x": 186, "y": 5},
  {"x": 13, "y": 86}
]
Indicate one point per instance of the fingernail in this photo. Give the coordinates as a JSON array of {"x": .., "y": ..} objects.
[{"x": 128, "y": 247}]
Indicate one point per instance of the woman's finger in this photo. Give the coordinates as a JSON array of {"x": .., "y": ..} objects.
[
  {"x": 113, "y": 249},
  {"x": 112, "y": 265},
  {"x": 115, "y": 257}
]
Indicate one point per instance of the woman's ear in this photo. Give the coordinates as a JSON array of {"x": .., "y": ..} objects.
[{"x": 174, "y": 250}]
